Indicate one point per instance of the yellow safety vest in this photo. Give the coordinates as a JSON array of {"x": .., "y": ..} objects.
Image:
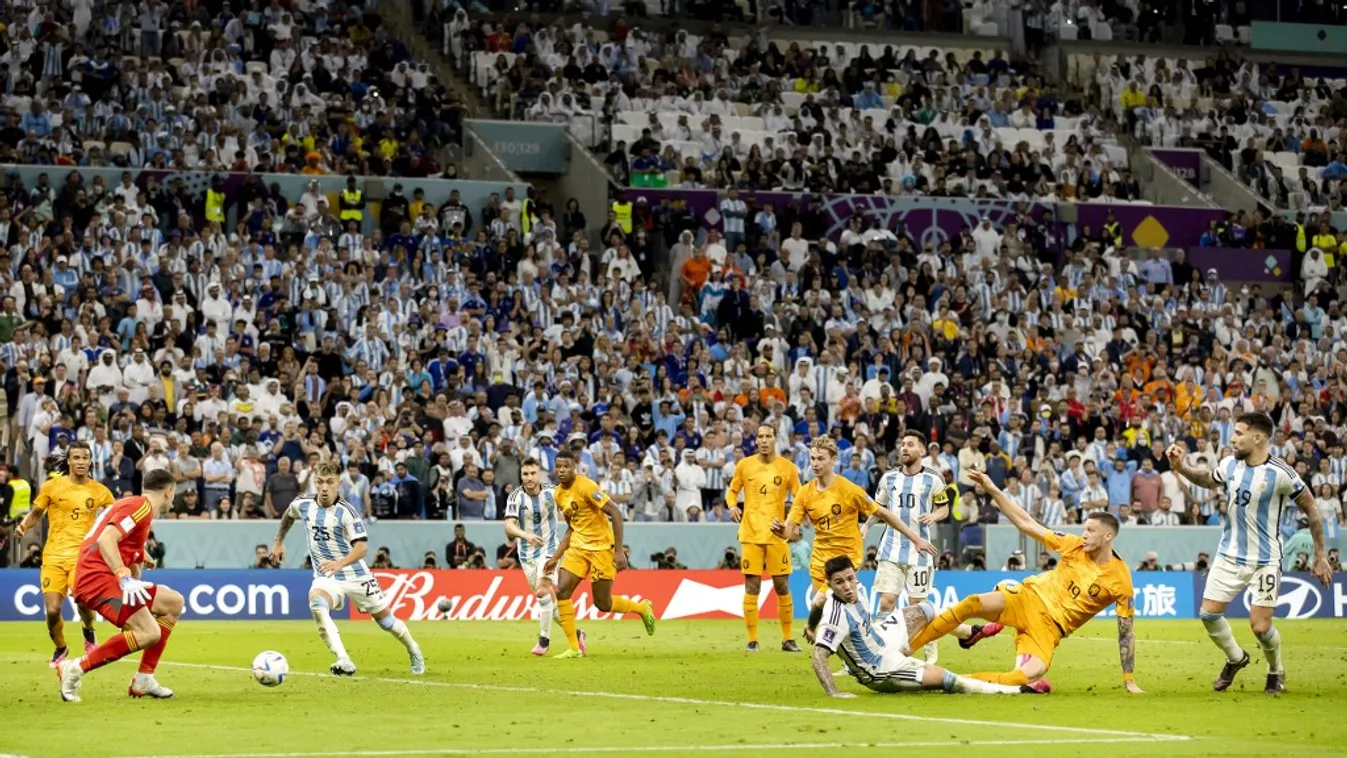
[
  {"x": 525, "y": 216},
  {"x": 1300, "y": 237},
  {"x": 215, "y": 202},
  {"x": 623, "y": 211},
  {"x": 351, "y": 198},
  {"x": 1113, "y": 233},
  {"x": 23, "y": 498}
]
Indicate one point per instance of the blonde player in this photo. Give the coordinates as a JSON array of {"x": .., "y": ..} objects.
[
  {"x": 531, "y": 520},
  {"x": 767, "y": 480},
  {"x": 835, "y": 507},
  {"x": 71, "y": 502}
]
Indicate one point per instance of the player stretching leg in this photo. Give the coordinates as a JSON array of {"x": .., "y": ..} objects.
[
  {"x": 591, "y": 548},
  {"x": 916, "y": 494},
  {"x": 70, "y": 502},
  {"x": 766, "y": 479},
  {"x": 107, "y": 579},
  {"x": 1257, "y": 487},
  {"x": 835, "y": 507},
  {"x": 531, "y": 520},
  {"x": 1048, "y": 607},
  {"x": 337, "y": 545},
  {"x": 873, "y": 653}
]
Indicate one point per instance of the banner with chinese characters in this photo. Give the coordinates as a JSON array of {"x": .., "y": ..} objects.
[{"x": 1159, "y": 594}]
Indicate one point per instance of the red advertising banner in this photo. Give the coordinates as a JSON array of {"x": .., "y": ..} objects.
[{"x": 488, "y": 595}]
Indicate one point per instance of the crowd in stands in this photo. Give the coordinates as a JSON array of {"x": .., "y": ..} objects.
[{"x": 307, "y": 88}]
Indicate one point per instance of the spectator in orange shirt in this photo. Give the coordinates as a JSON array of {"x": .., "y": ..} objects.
[
  {"x": 696, "y": 270},
  {"x": 1188, "y": 393},
  {"x": 1159, "y": 387}
]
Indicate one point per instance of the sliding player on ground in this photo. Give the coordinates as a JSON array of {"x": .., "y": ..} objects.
[
  {"x": 766, "y": 480},
  {"x": 592, "y": 548},
  {"x": 835, "y": 507},
  {"x": 873, "y": 653},
  {"x": 337, "y": 547},
  {"x": 1257, "y": 487},
  {"x": 70, "y": 503},
  {"x": 916, "y": 494},
  {"x": 1048, "y": 607},
  {"x": 107, "y": 579},
  {"x": 531, "y": 521}
]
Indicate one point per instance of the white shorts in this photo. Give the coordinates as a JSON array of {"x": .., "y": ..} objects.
[
  {"x": 892, "y": 578},
  {"x": 533, "y": 572},
  {"x": 365, "y": 594},
  {"x": 1226, "y": 579}
]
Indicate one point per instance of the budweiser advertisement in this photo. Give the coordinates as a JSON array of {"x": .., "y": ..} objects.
[{"x": 483, "y": 595}]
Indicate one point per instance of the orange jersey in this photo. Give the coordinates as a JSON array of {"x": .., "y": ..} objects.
[
  {"x": 765, "y": 487},
  {"x": 132, "y": 516},
  {"x": 582, "y": 505},
  {"x": 70, "y": 511},
  {"x": 836, "y": 514},
  {"x": 1079, "y": 589}
]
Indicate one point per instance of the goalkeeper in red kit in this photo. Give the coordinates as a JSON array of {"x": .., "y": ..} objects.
[{"x": 107, "y": 580}]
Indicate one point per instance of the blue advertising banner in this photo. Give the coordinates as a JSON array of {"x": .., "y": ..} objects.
[
  {"x": 215, "y": 595},
  {"x": 1159, "y": 594},
  {"x": 1301, "y": 597}
]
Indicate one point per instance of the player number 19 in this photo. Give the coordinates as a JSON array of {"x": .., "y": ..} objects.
[{"x": 1267, "y": 583}]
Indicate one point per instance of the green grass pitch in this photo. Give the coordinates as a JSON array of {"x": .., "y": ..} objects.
[{"x": 690, "y": 690}]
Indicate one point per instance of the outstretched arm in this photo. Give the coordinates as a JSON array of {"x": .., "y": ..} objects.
[
  {"x": 825, "y": 673},
  {"x": 1319, "y": 566},
  {"x": 891, "y": 518},
  {"x": 1127, "y": 651},
  {"x": 1200, "y": 476},
  {"x": 1017, "y": 516}
]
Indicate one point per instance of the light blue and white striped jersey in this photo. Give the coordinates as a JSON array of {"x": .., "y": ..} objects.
[
  {"x": 909, "y": 497},
  {"x": 537, "y": 514},
  {"x": 332, "y": 532},
  {"x": 1255, "y": 497},
  {"x": 846, "y": 630}
]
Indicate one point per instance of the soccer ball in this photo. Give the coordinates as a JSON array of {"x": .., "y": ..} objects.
[
  {"x": 444, "y": 606},
  {"x": 270, "y": 668}
]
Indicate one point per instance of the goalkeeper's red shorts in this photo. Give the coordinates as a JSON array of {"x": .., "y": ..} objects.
[{"x": 99, "y": 592}]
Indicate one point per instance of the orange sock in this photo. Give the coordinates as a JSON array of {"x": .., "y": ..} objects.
[
  {"x": 566, "y": 617},
  {"x": 624, "y": 604},
  {"x": 150, "y": 660},
  {"x": 785, "y": 610},
  {"x": 114, "y": 648},
  {"x": 948, "y": 621},
  {"x": 751, "y": 616},
  {"x": 1014, "y": 678}
]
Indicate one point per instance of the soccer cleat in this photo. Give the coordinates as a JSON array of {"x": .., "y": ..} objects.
[
  {"x": 71, "y": 676},
  {"x": 1227, "y": 675},
  {"x": 90, "y": 639},
  {"x": 57, "y": 656},
  {"x": 418, "y": 663},
  {"x": 648, "y": 617},
  {"x": 569, "y": 653},
  {"x": 789, "y": 646},
  {"x": 89, "y": 646},
  {"x": 1040, "y": 687},
  {"x": 752, "y": 647},
  {"x": 343, "y": 667},
  {"x": 980, "y": 633},
  {"x": 145, "y": 685},
  {"x": 1276, "y": 684},
  {"x": 541, "y": 648},
  {"x": 584, "y": 646}
]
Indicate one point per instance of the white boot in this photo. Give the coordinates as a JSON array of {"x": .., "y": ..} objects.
[
  {"x": 145, "y": 685},
  {"x": 71, "y": 676},
  {"x": 343, "y": 667}
]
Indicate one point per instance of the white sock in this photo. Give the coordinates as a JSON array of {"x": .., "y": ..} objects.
[
  {"x": 964, "y": 685},
  {"x": 931, "y": 651},
  {"x": 1271, "y": 642},
  {"x": 547, "y": 609},
  {"x": 404, "y": 635},
  {"x": 328, "y": 632},
  {"x": 1218, "y": 629}
]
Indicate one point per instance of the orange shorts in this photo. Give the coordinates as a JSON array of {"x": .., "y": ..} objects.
[
  {"x": 1036, "y": 633},
  {"x": 772, "y": 559},
  {"x": 817, "y": 562}
]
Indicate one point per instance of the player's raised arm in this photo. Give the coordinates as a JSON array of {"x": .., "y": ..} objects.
[
  {"x": 1320, "y": 566},
  {"x": 1202, "y": 477},
  {"x": 1017, "y": 516}
]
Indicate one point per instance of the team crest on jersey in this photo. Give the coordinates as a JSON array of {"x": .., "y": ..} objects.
[{"x": 1060, "y": 534}]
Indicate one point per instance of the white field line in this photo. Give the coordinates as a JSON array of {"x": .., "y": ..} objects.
[
  {"x": 661, "y": 748},
  {"x": 1113, "y": 733}
]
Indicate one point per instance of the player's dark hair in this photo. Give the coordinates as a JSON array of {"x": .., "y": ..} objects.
[
  {"x": 565, "y": 455},
  {"x": 529, "y": 461},
  {"x": 918, "y": 436},
  {"x": 1107, "y": 519},
  {"x": 157, "y": 480},
  {"x": 839, "y": 563},
  {"x": 78, "y": 445},
  {"x": 1258, "y": 422}
]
